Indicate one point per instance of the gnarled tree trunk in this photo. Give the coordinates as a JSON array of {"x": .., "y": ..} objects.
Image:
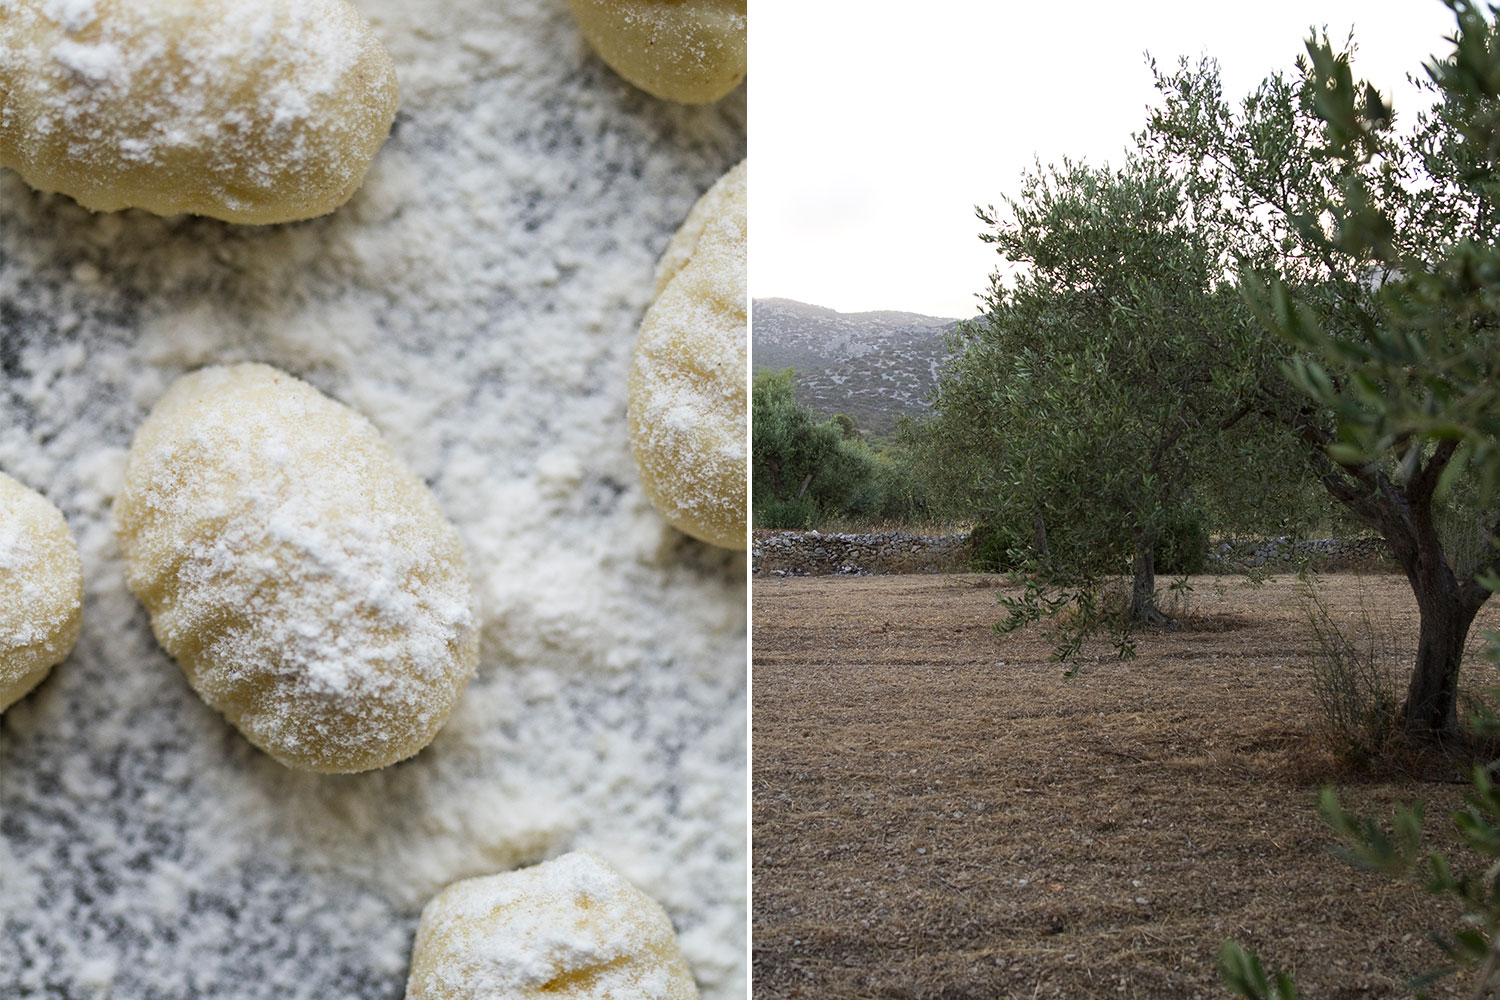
[
  {"x": 1039, "y": 536},
  {"x": 1143, "y": 607},
  {"x": 1403, "y": 515},
  {"x": 1431, "y": 709},
  {"x": 1447, "y": 607}
]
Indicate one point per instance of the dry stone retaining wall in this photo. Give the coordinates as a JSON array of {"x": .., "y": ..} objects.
[
  {"x": 815, "y": 553},
  {"x": 1323, "y": 554}
]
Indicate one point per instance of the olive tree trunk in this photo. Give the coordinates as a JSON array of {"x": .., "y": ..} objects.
[
  {"x": 1447, "y": 607},
  {"x": 1431, "y": 709},
  {"x": 1143, "y": 607},
  {"x": 1404, "y": 515}
]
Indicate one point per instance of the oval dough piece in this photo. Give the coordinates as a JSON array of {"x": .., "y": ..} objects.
[
  {"x": 41, "y": 590},
  {"x": 687, "y": 377},
  {"x": 302, "y": 576},
  {"x": 567, "y": 928},
  {"x": 253, "y": 111},
  {"x": 691, "y": 51}
]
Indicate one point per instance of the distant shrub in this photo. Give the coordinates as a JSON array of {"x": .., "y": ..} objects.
[
  {"x": 998, "y": 547},
  {"x": 1183, "y": 545},
  {"x": 796, "y": 514},
  {"x": 904, "y": 493},
  {"x": 807, "y": 470},
  {"x": 995, "y": 548}
]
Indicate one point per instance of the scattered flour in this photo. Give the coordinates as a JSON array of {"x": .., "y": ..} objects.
[{"x": 477, "y": 300}]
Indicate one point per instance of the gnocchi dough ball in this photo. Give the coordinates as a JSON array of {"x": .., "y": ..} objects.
[
  {"x": 41, "y": 590},
  {"x": 567, "y": 928},
  {"x": 691, "y": 51},
  {"x": 252, "y": 111},
  {"x": 687, "y": 412},
  {"x": 300, "y": 573}
]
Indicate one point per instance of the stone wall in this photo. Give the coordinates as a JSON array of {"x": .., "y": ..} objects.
[
  {"x": 814, "y": 553},
  {"x": 1323, "y": 554}
]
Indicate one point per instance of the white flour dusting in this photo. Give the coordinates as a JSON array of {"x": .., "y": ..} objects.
[{"x": 477, "y": 300}]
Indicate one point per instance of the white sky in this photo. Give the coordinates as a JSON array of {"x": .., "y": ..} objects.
[{"x": 878, "y": 126}]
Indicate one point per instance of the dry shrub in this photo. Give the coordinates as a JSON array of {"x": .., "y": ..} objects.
[{"x": 1357, "y": 667}]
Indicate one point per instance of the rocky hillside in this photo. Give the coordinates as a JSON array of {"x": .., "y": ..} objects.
[{"x": 875, "y": 366}]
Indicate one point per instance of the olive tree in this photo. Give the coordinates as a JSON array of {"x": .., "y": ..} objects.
[
  {"x": 1430, "y": 354},
  {"x": 1371, "y": 252},
  {"x": 1091, "y": 399}
]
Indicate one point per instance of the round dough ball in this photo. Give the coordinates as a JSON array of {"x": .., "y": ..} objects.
[
  {"x": 691, "y": 51},
  {"x": 687, "y": 377},
  {"x": 302, "y": 576},
  {"x": 41, "y": 590},
  {"x": 252, "y": 111},
  {"x": 568, "y": 928}
]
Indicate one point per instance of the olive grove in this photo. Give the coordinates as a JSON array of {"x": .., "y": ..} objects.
[{"x": 1288, "y": 286}]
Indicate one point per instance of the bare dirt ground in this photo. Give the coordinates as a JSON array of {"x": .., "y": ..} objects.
[{"x": 939, "y": 813}]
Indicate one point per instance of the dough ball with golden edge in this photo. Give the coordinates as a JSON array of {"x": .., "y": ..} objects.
[
  {"x": 252, "y": 111},
  {"x": 300, "y": 573},
  {"x": 691, "y": 51},
  {"x": 687, "y": 377},
  {"x": 41, "y": 590},
  {"x": 567, "y": 929}
]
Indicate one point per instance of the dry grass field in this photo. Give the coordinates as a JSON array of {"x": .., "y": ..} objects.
[{"x": 939, "y": 813}]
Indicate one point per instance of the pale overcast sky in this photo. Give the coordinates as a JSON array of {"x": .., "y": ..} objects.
[{"x": 878, "y": 126}]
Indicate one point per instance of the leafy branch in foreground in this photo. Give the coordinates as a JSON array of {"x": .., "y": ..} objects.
[
  {"x": 1074, "y": 614},
  {"x": 1397, "y": 850},
  {"x": 1432, "y": 352},
  {"x": 1242, "y": 973}
]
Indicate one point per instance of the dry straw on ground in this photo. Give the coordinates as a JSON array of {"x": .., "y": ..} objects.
[{"x": 939, "y": 813}]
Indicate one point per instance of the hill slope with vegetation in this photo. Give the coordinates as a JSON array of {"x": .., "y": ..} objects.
[{"x": 875, "y": 367}]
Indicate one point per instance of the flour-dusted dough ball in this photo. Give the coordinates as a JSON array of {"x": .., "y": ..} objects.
[
  {"x": 300, "y": 573},
  {"x": 691, "y": 51},
  {"x": 245, "y": 110},
  {"x": 568, "y": 929},
  {"x": 41, "y": 590},
  {"x": 687, "y": 377}
]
